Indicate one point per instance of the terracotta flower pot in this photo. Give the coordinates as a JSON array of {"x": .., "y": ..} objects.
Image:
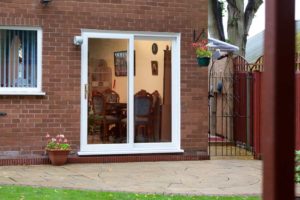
[{"x": 58, "y": 157}]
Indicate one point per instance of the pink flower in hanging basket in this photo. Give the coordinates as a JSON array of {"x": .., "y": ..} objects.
[{"x": 201, "y": 48}]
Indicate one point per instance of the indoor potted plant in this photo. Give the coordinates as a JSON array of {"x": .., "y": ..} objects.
[
  {"x": 202, "y": 52},
  {"x": 58, "y": 149}
]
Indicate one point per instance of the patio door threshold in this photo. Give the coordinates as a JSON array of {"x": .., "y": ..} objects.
[{"x": 88, "y": 153}]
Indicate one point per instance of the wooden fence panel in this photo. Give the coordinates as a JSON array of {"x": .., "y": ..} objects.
[
  {"x": 239, "y": 107},
  {"x": 241, "y": 115},
  {"x": 241, "y": 67},
  {"x": 257, "y": 112}
]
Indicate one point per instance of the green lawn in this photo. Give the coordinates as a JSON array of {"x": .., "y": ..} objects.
[{"x": 28, "y": 193}]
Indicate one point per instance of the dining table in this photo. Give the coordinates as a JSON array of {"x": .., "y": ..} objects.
[{"x": 117, "y": 108}]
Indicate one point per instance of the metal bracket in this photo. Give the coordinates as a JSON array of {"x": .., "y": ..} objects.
[
  {"x": 3, "y": 114},
  {"x": 196, "y": 37}
]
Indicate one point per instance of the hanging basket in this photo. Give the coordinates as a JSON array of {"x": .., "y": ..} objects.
[{"x": 203, "y": 61}]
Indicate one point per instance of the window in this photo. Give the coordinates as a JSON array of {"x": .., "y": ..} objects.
[{"x": 20, "y": 61}]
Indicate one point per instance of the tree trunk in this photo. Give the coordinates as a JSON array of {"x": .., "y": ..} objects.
[
  {"x": 239, "y": 22},
  {"x": 235, "y": 25}
]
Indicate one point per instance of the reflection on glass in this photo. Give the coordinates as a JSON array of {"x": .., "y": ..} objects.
[
  {"x": 152, "y": 86},
  {"x": 107, "y": 91}
]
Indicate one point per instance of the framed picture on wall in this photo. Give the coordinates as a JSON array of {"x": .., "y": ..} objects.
[
  {"x": 154, "y": 68},
  {"x": 120, "y": 60}
]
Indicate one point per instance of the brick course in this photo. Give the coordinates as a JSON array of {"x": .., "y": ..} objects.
[{"x": 29, "y": 118}]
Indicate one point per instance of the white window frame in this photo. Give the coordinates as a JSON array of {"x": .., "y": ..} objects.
[
  {"x": 131, "y": 147},
  {"x": 28, "y": 90}
]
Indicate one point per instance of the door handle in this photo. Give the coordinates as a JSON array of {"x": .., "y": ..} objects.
[{"x": 86, "y": 91}]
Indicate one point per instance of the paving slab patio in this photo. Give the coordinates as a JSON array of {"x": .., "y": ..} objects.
[{"x": 212, "y": 177}]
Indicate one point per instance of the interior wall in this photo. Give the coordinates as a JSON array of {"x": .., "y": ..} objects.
[
  {"x": 144, "y": 78},
  {"x": 105, "y": 48}
]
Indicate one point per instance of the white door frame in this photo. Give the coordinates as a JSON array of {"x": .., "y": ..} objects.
[{"x": 130, "y": 147}]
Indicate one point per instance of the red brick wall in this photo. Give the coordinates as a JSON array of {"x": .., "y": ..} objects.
[{"x": 29, "y": 118}]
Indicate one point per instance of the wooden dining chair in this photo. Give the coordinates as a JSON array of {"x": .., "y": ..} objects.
[
  {"x": 101, "y": 118},
  {"x": 111, "y": 96},
  {"x": 143, "y": 116}
]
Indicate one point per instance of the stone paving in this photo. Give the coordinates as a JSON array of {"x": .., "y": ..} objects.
[{"x": 213, "y": 177}]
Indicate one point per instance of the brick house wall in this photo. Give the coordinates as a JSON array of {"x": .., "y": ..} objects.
[{"x": 30, "y": 118}]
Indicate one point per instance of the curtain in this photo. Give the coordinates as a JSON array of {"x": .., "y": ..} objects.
[{"x": 18, "y": 58}]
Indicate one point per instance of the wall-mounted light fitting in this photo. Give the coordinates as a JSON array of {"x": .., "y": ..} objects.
[
  {"x": 45, "y": 2},
  {"x": 78, "y": 40}
]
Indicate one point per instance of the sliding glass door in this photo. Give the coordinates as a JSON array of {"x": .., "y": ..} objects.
[
  {"x": 107, "y": 91},
  {"x": 128, "y": 93}
]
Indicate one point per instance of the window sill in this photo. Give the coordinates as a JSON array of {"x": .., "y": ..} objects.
[{"x": 29, "y": 93}]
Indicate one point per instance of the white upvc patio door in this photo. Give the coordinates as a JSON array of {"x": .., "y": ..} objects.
[{"x": 128, "y": 145}]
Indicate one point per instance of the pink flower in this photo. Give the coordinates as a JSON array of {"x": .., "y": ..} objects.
[
  {"x": 58, "y": 142},
  {"x": 194, "y": 44},
  {"x": 201, "y": 48}
]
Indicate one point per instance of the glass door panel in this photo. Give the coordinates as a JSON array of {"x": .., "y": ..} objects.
[
  {"x": 152, "y": 91},
  {"x": 107, "y": 91}
]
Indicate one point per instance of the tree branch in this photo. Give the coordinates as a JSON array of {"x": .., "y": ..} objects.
[
  {"x": 250, "y": 11},
  {"x": 215, "y": 20},
  {"x": 217, "y": 8}
]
